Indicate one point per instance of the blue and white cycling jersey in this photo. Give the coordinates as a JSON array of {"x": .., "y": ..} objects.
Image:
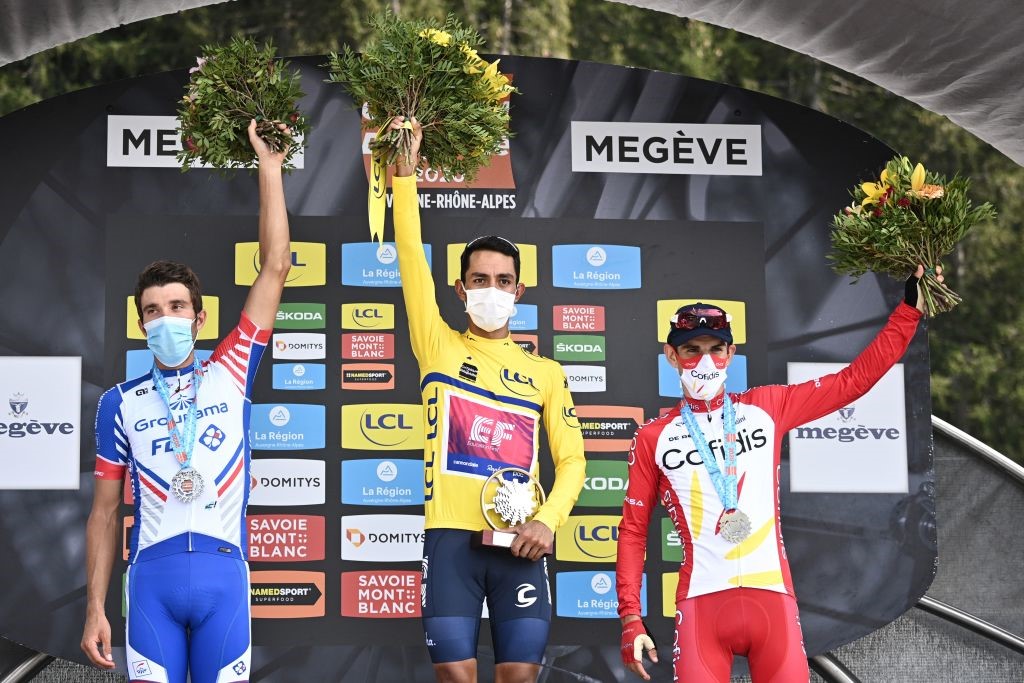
[{"x": 132, "y": 435}]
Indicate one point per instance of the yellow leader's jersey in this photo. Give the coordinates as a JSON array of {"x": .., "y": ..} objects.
[{"x": 483, "y": 399}]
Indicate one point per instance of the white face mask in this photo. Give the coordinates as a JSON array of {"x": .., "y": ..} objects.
[
  {"x": 702, "y": 378},
  {"x": 490, "y": 308}
]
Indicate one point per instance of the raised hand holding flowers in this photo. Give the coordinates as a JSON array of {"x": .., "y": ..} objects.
[
  {"x": 230, "y": 86},
  {"x": 908, "y": 217}
]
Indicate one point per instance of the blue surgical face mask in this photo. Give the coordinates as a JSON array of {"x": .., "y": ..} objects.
[{"x": 170, "y": 339}]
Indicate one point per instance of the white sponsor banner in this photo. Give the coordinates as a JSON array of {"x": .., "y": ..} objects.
[
  {"x": 675, "y": 148},
  {"x": 287, "y": 481},
  {"x": 586, "y": 378},
  {"x": 40, "y": 408},
  {"x": 299, "y": 346},
  {"x": 860, "y": 448},
  {"x": 382, "y": 538},
  {"x": 150, "y": 142}
]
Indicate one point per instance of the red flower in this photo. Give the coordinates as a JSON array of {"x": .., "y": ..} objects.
[
  {"x": 904, "y": 202},
  {"x": 294, "y": 117},
  {"x": 878, "y": 212},
  {"x": 191, "y": 144}
]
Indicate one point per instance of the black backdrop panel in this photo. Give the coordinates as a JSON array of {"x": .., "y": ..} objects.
[{"x": 74, "y": 232}]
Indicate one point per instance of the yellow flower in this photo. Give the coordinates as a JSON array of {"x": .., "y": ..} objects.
[
  {"x": 917, "y": 178},
  {"x": 875, "y": 192},
  {"x": 440, "y": 37}
]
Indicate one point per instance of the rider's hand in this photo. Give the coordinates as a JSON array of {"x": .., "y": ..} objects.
[{"x": 635, "y": 640}]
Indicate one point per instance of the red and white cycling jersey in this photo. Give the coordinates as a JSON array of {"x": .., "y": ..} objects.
[
  {"x": 665, "y": 466},
  {"x": 131, "y": 434}
]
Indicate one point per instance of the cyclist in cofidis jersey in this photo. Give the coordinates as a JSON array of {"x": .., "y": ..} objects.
[
  {"x": 484, "y": 399},
  {"x": 180, "y": 434},
  {"x": 713, "y": 463}
]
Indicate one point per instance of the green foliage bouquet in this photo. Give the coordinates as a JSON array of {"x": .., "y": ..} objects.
[
  {"x": 230, "y": 86},
  {"x": 433, "y": 73},
  {"x": 909, "y": 217}
]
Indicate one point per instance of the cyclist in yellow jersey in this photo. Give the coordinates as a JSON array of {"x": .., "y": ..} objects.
[{"x": 483, "y": 398}]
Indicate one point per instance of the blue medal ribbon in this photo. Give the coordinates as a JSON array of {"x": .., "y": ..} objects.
[
  {"x": 727, "y": 484},
  {"x": 183, "y": 445}
]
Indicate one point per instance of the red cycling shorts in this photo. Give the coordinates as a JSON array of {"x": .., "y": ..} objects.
[{"x": 763, "y": 626}]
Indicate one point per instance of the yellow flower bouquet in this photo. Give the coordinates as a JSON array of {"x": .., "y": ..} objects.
[
  {"x": 909, "y": 216},
  {"x": 431, "y": 72}
]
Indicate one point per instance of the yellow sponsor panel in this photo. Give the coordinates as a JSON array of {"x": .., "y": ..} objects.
[
  {"x": 527, "y": 263},
  {"x": 211, "y": 330},
  {"x": 382, "y": 426},
  {"x": 309, "y": 264},
  {"x": 374, "y": 316},
  {"x": 669, "y": 584},
  {"x": 737, "y": 309},
  {"x": 588, "y": 538}
]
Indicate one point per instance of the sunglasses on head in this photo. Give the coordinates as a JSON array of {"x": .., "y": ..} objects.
[{"x": 709, "y": 318}]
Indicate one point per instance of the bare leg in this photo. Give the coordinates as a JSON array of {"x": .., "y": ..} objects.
[
  {"x": 456, "y": 672},
  {"x": 516, "y": 672}
]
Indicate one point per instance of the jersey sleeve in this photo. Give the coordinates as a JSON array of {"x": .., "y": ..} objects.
[
  {"x": 641, "y": 497},
  {"x": 426, "y": 327},
  {"x": 802, "y": 403},
  {"x": 240, "y": 353},
  {"x": 566, "y": 442},
  {"x": 112, "y": 446}
]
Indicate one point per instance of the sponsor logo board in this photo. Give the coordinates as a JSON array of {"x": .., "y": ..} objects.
[
  {"x": 308, "y": 264},
  {"x": 368, "y": 316},
  {"x": 286, "y": 594},
  {"x": 669, "y": 585},
  {"x": 301, "y": 316},
  {"x": 382, "y": 426},
  {"x": 299, "y": 376},
  {"x": 586, "y": 378},
  {"x": 367, "y": 376},
  {"x": 287, "y": 481},
  {"x": 211, "y": 329},
  {"x": 591, "y": 595},
  {"x": 671, "y": 544},
  {"x": 666, "y": 308},
  {"x": 524, "y": 318},
  {"x": 605, "y": 484},
  {"x": 41, "y": 408},
  {"x": 382, "y": 538},
  {"x": 578, "y": 318},
  {"x": 588, "y": 538},
  {"x": 579, "y": 347},
  {"x": 527, "y": 263},
  {"x": 675, "y": 148},
  {"x": 286, "y": 426},
  {"x": 860, "y": 448},
  {"x": 285, "y": 538},
  {"x": 609, "y": 428},
  {"x": 299, "y": 346},
  {"x": 151, "y": 142},
  {"x": 368, "y": 264},
  {"x": 595, "y": 266},
  {"x": 382, "y": 482},
  {"x": 368, "y": 346},
  {"x": 668, "y": 377},
  {"x": 527, "y": 342},
  {"x": 380, "y": 594}
]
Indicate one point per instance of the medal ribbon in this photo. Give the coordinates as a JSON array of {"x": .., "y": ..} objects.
[
  {"x": 726, "y": 485},
  {"x": 183, "y": 445}
]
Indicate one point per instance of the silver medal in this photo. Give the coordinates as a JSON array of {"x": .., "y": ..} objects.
[
  {"x": 735, "y": 526},
  {"x": 187, "y": 485}
]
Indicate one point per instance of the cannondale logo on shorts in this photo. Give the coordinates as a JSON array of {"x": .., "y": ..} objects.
[
  {"x": 523, "y": 595},
  {"x": 490, "y": 432},
  {"x": 425, "y": 568}
]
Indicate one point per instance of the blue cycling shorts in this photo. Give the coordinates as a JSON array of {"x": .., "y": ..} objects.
[
  {"x": 457, "y": 578},
  {"x": 188, "y": 613}
]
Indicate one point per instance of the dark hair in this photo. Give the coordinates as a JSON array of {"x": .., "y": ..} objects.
[
  {"x": 490, "y": 243},
  {"x": 160, "y": 273}
]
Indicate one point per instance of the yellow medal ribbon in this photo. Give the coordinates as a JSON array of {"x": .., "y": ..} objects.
[{"x": 376, "y": 205}]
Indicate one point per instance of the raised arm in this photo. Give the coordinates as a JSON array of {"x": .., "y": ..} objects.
[
  {"x": 275, "y": 243},
  {"x": 426, "y": 327}
]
